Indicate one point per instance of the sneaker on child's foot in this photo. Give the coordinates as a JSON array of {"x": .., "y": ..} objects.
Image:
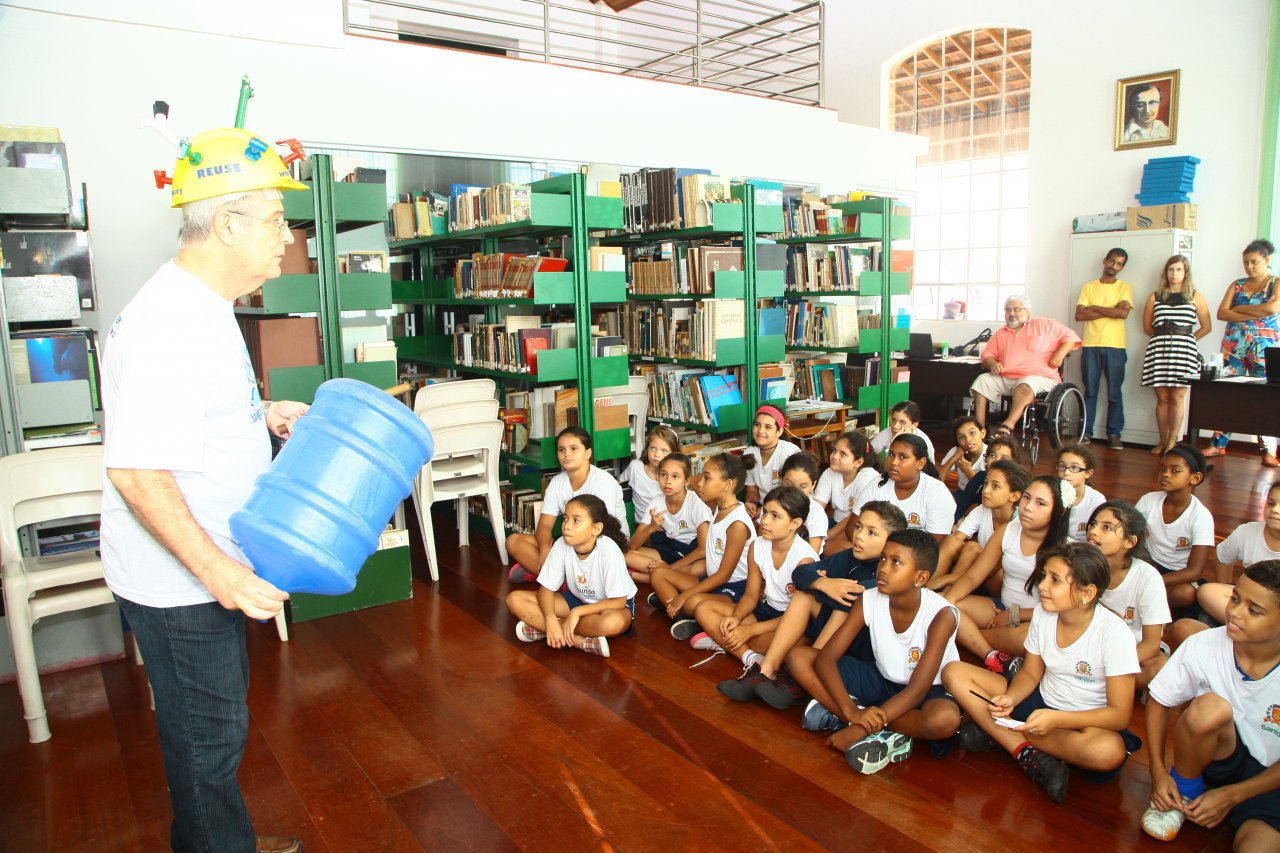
[
  {"x": 818, "y": 719},
  {"x": 1161, "y": 824},
  {"x": 528, "y": 633},
  {"x": 875, "y": 752},
  {"x": 596, "y": 646},
  {"x": 654, "y": 601},
  {"x": 1004, "y": 664},
  {"x": 1046, "y": 771},
  {"x": 972, "y": 738},
  {"x": 519, "y": 574},
  {"x": 782, "y": 692},
  {"x": 702, "y": 642},
  {"x": 742, "y": 688},
  {"x": 684, "y": 628}
]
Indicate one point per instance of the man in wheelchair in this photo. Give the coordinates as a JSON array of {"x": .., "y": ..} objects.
[{"x": 1021, "y": 360}]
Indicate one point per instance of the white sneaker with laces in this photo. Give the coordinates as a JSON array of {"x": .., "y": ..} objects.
[
  {"x": 528, "y": 633},
  {"x": 1163, "y": 825}
]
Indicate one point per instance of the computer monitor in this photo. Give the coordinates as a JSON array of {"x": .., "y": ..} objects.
[{"x": 920, "y": 345}]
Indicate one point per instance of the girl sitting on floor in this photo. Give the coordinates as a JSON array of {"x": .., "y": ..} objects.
[
  {"x": 854, "y": 469},
  {"x": 1001, "y": 493},
  {"x": 769, "y": 451},
  {"x": 800, "y": 471},
  {"x": 642, "y": 473},
  {"x": 598, "y": 597},
  {"x": 674, "y": 533},
  {"x": 911, "y": 483},
  {"x": 1179, "y": 527},
  {"x": 904, "y": 419},
  {"x": 1073, "y": 697},
  {"x": 1075, "y": 465}
]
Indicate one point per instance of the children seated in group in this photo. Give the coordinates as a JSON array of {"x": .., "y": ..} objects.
[
  {"x": 1226, "y": 743},
  {"x": 904, "y": 419},
  {"x": 1135, "y": 592},
  {"x": 1073, "y": 697},
  {"x": 1002, "y": 491},
  {"x": 1005, "y": 619},
  {"x": 1251, "y": 542},
  {"x": 1179, "y": 527},
  {"x": 854, "y": 469},
  {"x": 824, "y": 593},
  {"x": 874, "y": 710},
  {"x": 642, "y": 474},
  {"x": 744, "y": 626},
  {"x": 674, "y": 531},
  {"x": 1075, "y": 465},
  {"x": 584, "y": 592},
  {"x": 729, "y": 532},
  {"x": 966, "y": 459},
  {"x": 910, "y": 482},
  {"x": 770, "y": 450},
  {"x": 800, "y": 471},
  {"x": 577, "y": 477},
  {"x": 1000, "y": 447}
]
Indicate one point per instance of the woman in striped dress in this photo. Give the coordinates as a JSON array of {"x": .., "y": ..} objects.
[{"x": 1175, "y": 317}]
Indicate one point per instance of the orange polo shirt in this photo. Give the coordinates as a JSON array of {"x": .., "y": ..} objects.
[{"x": 1026, "y": 352}]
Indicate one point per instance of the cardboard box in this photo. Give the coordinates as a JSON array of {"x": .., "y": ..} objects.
[{"x": 1162, "y": 216}]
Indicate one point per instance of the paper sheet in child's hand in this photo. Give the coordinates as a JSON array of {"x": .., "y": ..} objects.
[{"x": 1008, "y": 722}]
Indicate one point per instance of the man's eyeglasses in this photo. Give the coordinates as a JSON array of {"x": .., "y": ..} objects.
[
  {"x": 278, "y": 224},
  {"x": 1071, "y": 469}
]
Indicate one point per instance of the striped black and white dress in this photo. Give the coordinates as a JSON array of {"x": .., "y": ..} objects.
[{"x": 1172, "y": 359}]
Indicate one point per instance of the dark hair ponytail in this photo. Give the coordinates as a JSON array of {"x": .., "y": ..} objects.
[
  {"x": 794, "y": 503},
  {"x": 919, "y": 450},
  {"x": 599, "y": 514},
  {"x": 860, "y": 446},
  {"x": 805, "y": 463},
  {"x": 733, "y": 466},
  {"x": 1134, "y": 524}
]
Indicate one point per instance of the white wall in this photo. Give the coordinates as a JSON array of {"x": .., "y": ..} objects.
[
  {"x": 345, "y": 91},
  {"x": 1079, "y": 50}
]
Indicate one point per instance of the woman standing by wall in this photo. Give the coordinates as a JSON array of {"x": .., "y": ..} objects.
[
  {"x": 1175, "y": 317},
  {"x": 1251, "y": 310}
]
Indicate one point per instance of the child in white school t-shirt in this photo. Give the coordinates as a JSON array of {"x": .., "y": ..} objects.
[
  {"x": 904, "y": 419},
  {"x": 1075, "y": 465},
  {"x": 642, "y": 473},
  {"x": 854, "y": 472},
  {"x": 1179, "y": 527},
  {"x": 1251, "y": 542},
  {"x": 770, "y": 451},
  {"x": 909, "y": 484}
]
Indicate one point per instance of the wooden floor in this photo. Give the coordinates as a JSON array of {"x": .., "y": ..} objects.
[{"x": 427, "y": 725}]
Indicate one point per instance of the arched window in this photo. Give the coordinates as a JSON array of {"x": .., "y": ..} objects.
[{"x": 970, "y": 94}]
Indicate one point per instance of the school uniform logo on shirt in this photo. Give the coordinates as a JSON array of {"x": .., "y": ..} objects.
[
  {"x": 683, "y": 525},
  {"x": 775, "y": 476},
  {"x": 791, "y": 590},
  {"x": 913, "y": 657},
  {"x": 1080, "y": 528},
  {"x": 1271, "y": 721},
  {"x": 1128, "y": 615},
  {"x": 1083, "y": 670},
  {"x": 719, "y": 546},
  {"x": 1183, "y": 542},
  {"x": 584, "y": 591},
  {"x": 913, "y": 520}
]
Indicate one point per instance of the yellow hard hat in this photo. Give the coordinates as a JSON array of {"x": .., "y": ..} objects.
[{"x": 229, "y": 160}]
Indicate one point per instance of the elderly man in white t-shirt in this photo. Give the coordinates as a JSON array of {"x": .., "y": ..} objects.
[{"x": 186, "y": 435}]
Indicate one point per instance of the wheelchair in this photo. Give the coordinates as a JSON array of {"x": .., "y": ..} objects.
[{"x": 1059, "y": 414}]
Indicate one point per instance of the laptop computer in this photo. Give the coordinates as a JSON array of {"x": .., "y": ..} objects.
[
  {"x": 1272, "y": 364},
  {"x": 920, "y": 345}
]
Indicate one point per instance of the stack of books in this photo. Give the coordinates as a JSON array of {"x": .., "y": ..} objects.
[
  {"x": 690, "y": 394},
  {"x": 665, "y": 330},
  {"x": 499, "y": 276},
  {"x": 826, "y": 324},
  {"x": 667, "y": 199},
  {"x": 473, "y": 206}
]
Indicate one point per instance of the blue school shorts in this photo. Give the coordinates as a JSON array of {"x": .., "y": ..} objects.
[
  {"x": 1237, "y": 767},
  {"x": 573, "y": 601},
  {"x": 1132, "y": 743},
  {"x": 670, "y": 550},
  {"x": 859, "y": 649},
  {"x": 765, "y": 611},
  {"x": 732, "y": 591},
  {"x": 863, "y": 680}
]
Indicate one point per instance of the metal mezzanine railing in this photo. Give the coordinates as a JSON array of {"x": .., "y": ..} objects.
[{"x": 773, "y": 50}]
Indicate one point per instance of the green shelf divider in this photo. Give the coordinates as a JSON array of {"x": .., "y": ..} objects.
[
  {"x": 607, "y": 372},
  {"x": 299, "y": 205},
  {"x": 899, "y": 392},
  {"x": 379, "y": 374},
  {"x": 770, "y": 284},
  {"x": 611, "y": 444},
  {"x": 292, "y": 294},
  {"x": 552, "y": 288},
  {"x": 358, "y": 202},
  {"x": 732, "y": 417},
  {"x": 729, "y": 284},
  {"x": 900, "y": 283},
  {"x": 557, "y": 365},
  {"x": 606, "y": 287},
  {"x": 408, "y": 291},
  {"x": 899, "y": 339},
  {"x": 386, "y": 576},
  {"x": 539, "y": 454},
  {"x": 731, "y": 352},
  {"x": 296, "y": 383},
  {"x": 364, "y": 291},
  {"x": 604, "y": 213},
  {"x": 770, "y": 348},
  {"x": 768, "y": 218}
]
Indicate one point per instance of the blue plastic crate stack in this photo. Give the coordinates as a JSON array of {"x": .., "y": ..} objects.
[{"x": 1168, "y": 180}]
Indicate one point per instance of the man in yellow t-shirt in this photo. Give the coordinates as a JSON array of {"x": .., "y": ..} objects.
[{"x": 1103, "y": 306}]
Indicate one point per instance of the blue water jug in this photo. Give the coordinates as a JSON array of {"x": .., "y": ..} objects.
[{"x": 315, "y": 516}]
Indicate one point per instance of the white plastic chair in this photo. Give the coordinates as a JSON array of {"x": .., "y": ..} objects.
[
  {"x": 456, "y": 414},
  {"x": 444, "y": 393},
  {"x": 465, "y": 464},
  {"x": 46, "y": 485}
]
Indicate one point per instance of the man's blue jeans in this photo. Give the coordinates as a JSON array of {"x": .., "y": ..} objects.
[
  {"x": 198, "y": 666},
  {"x": 1096, "y": 363}
]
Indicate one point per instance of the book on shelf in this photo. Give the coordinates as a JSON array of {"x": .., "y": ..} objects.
[
  {"x": 811, "y": 215},
  {"x": 606, "y": 259},
  {"x": 515, "y": 429},
  {"x": 822, "y": 324},
  {"x": 362, "y": 262},
  {"x": 472, "y": 206},
  {"x": 690, "y": 394},
  {"x": 501, "y": 275},
  {"x": 719, "y": 390},
  {"x": 819, "y": 268},
  {"x": 664, "y": 330},
  {"x": 666, "y": 199}
]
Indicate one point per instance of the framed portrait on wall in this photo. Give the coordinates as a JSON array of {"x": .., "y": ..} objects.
[{"x": 1147, "y": 110}]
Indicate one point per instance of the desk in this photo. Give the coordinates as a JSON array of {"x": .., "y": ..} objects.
[
  {"x": 1231, "y": 406},
  {"x": 809, "y": 427},
  {"x": 938, "y": 385}
]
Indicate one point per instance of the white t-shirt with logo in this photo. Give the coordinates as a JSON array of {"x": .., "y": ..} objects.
[
  {"x": 718, "y": 535},
  {"x": 777, "y": 580},
  {"x": 962, "y": 479},
  {"x": 1206, "y": 663},
  {"x": 179, "y": 395},
  {"x": 598, "y": 483},
  {"x": 816, "y": 523},
  {"x": 1140, "y": 599},
  {"x": 1246, "y": 545},
  {"x": 833, "y": 492},
  {"x": 603, "y": 574},
  {"x": 929, "y": 508},
  {"x": 885, "y": 437},
  {"x": 1017, "y": 568},
  {"x": 1170, "y": 544},
  {"x": 683, "y": 526},
  {"x": 1075, "y": 678},
  {"x": 1078, "y": 523},
  {"x": 898, "y": 654},
  {"x": 767, "y": 476},
  {"x": 644, "y": 491},
  {"x": 979, "y": 525}
]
